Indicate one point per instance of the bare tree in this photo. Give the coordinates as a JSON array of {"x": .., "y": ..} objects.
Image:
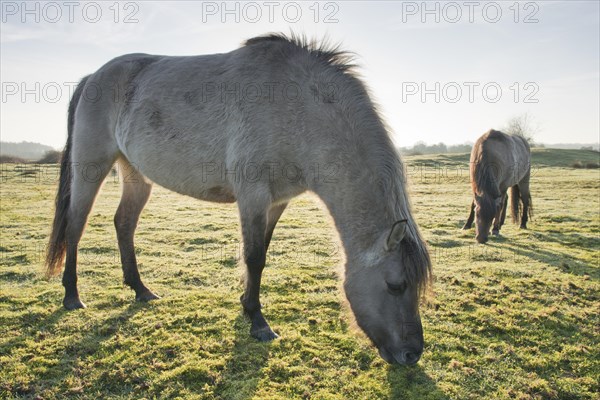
[{"x": 522, "y": 125}]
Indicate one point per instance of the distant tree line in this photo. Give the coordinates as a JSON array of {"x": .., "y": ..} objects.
[
  {"x": 521, "y": 125},
  {"x": 24, "y": 150},
  {"x": 49, "y": 157},
  {"x": 439, "y": 148}
]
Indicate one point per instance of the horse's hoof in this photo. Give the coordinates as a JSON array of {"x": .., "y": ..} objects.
[
  {"x": 147, "y": 296},
  {"x": 73, "y": 303},
  {"x": 264, "y": 335},
  {"x": 523, "y": 227},
  {"x": 496, "y": 233}
]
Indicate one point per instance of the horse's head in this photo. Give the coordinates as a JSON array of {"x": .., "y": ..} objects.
[
  {"x": 384, "y": 293},
  {"x": 486, "y": 208}
]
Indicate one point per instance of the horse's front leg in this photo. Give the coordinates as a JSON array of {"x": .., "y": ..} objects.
[
  {"x": 500, "y": 216},
  {"x": 503, "y": 216},
  {"x": 254, "y": 228}
]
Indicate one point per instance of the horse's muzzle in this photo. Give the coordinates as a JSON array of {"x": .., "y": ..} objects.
[{"x": 406, "y": 356}]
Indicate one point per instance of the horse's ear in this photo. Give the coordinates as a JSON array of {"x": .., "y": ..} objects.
[{"x": 396, "y": 235}]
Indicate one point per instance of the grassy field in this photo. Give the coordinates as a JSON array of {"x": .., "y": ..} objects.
[{"x": 516, "y": 318}]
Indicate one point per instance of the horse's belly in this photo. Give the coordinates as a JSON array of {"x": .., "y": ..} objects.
[
  {"x": 190, "y": 179},
  {"x": 187, "y": 164},
  {"x": 218, "y": 192}
]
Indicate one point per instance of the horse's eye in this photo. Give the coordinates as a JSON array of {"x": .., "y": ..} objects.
[{"x": 396, "y": 288}]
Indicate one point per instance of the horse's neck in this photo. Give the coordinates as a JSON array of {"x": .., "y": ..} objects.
[{"x": 357, "y": 210}]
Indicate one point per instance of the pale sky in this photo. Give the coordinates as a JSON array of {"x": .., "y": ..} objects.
[{"x": 542, "y": 55}]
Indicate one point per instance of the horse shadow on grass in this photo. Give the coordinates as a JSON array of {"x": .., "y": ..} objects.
[
  {"x": 566, "y": 330},
  {"x": 89, "y": 342},
  {"x": 244, "y": 369},
  {"x": 35, "y": 329},
  {"x": 38, "y": 324},
  {"x": 564, "y": 262},
  {"x": 412, "y": 383}
]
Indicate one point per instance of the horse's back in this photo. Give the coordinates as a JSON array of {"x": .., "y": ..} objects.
[
  {"x": 195, "y": 124},
  {"x": 187, "y": 122},
  {"x": 506, "y": 157}
]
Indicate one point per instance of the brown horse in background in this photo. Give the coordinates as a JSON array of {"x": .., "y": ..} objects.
[{"x": 499, "y": 161}]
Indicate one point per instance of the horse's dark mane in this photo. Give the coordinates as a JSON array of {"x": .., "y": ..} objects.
[
  {"x": 325, "y": 51},
  {"x": 415, "y": 258},
  {"x": 485, "y": 179},
  {"x": 485, "y": 183}
]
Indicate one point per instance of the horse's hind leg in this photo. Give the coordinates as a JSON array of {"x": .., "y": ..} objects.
[
  {"x": 469, "y": 222},
  {"x": 136, "y": 191},
  {"x": 87, "y": 177}
]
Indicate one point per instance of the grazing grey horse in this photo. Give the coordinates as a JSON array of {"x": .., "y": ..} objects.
[
  {"x": 258, "y": 125},
  {"x": 499, "y": 161}
]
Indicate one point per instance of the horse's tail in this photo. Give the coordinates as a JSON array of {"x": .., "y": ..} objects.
[
  {"x": 57, "y": 245},
  {"x": 515, "y": 196}
]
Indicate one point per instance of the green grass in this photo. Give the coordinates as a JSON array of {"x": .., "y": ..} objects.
[{"x": 516, "y": 318}]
